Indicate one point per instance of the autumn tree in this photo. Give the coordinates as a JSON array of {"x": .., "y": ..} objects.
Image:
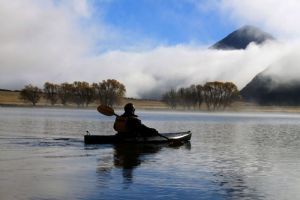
[
  {"x": 211, "y": 91},
  {"x": 231, "y": 94},
  {"x": 51, "y": 92},
  {"x": 170, "y": 98},
  {"x": 199, "y": 94},
  {"x": 89, "y": 93},
  {"x": 181, "y": 97},
  {"x": 109, "y": 92},
  {"x": 219, "y": 95},
  {"x": 82, "y": 93},
  {"x": 216, "y": 95},
  {"x": 191, "y": 96},
  {"x": 65, "y": 91},
  {"x": 185, "y": 97},
  {"x": 31, "y": 94}
]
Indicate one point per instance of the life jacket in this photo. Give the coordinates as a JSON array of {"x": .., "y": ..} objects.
[{"x": 120, "y": 124}]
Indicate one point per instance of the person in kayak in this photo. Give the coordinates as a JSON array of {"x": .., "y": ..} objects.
[{"x": 128, "y": 124}]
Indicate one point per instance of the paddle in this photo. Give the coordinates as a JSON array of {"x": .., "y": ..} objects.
[{"x": 108, "y": 111}]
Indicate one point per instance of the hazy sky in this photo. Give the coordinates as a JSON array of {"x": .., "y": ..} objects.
[{"x": 148, "y": 45}]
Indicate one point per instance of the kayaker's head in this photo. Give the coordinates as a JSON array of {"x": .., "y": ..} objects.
[{"x": 129, "y": 108}]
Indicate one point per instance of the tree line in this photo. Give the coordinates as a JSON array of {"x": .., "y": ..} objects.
[
  {"x": 108, "y": 92},
  {"x": 216, "y": 95}
]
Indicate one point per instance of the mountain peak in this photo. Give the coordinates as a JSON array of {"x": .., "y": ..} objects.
[{"x": 242, "y": 37}]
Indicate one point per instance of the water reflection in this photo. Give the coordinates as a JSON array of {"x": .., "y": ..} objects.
[
  {"x": 128, "y": 157},
  {"x": 235, "y": 186},
  {"x": 234, "y": 156}
]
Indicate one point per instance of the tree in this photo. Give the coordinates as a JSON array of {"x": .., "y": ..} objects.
[
  {"x": 180, "y": 97},
  {"x": 170, "y": 98},
  {"x": 212, "y": 92},
  {"x": 185, "y": 97},
  {"x": 218, "y": 94},
  {"x": 109, "y": 92},
  {"x": 231, "y": 93},
  {"x": 199, "y": 94},
  {"x": 65, "y": 92},
  {"x": 51, "y": 92},
  {"x": 192, "y": 96},
  {"x": 82, "y": 93},
  {"x": 31, "y": 94},
  {"x": 89, "y": 93}
]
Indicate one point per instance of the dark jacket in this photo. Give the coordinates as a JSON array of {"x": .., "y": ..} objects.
[{"x": 130, "y": 126}]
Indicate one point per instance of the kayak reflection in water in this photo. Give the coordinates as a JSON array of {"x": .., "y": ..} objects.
[
  {"x": 128, "y": 124},
  {"x": 130, "y": 156}
]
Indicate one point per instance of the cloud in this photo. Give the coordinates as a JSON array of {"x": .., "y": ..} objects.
[
  {"x": 163, "y": 68},
  {"x": 46, "y": 40},
  {"x": 286, "y": 69},
  {"x": 275, "y": 16},
  {"x": 56, "y": 41},
  {"x": 38, "y": 38}
]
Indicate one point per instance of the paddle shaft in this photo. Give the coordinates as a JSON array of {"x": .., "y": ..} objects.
[{"x": 164, "y": 136}]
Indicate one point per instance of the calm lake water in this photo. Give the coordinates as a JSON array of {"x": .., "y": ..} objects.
[{"x": 230, "y": 156}]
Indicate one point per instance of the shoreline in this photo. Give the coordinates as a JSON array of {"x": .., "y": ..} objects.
[
  {"x": 232, "y": 109},
  {"x": 10, "y": 99}
]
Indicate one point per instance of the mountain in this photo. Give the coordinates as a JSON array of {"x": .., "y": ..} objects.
[
  {"x": 267, "y": 89},
  {"x": 242, "y": 37}
]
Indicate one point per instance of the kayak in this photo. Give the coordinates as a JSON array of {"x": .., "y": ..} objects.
[{"x": 115, "y": 139}]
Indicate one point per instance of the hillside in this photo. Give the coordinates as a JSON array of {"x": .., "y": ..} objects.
[{"x": 269, "y": 90}]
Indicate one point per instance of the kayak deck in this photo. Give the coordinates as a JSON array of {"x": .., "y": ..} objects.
[{"x": 114, "y": 139}]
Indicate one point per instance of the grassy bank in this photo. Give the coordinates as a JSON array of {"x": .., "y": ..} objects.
[{"x": 11, "y": 98}]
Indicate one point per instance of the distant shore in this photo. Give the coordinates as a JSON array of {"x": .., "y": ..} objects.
[{"x": 11, "y": 99}]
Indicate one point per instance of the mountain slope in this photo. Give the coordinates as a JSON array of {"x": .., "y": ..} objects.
[
  {"x": 267, "y": 89},
  {"x": 242, "y": 37}
]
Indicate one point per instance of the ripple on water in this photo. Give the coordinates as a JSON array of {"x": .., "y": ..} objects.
[{"x": 231, "y": 156}]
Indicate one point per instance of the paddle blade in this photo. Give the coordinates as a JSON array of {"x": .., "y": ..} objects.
[{"x": 106, "y": 110}]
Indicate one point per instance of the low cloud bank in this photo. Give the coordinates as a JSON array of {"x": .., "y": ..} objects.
[
  {"x": 48, "y": 41},
  {"x": 148, "y": 74}
]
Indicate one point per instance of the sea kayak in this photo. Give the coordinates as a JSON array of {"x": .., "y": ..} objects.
[{"x": 115, "y": 139}]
